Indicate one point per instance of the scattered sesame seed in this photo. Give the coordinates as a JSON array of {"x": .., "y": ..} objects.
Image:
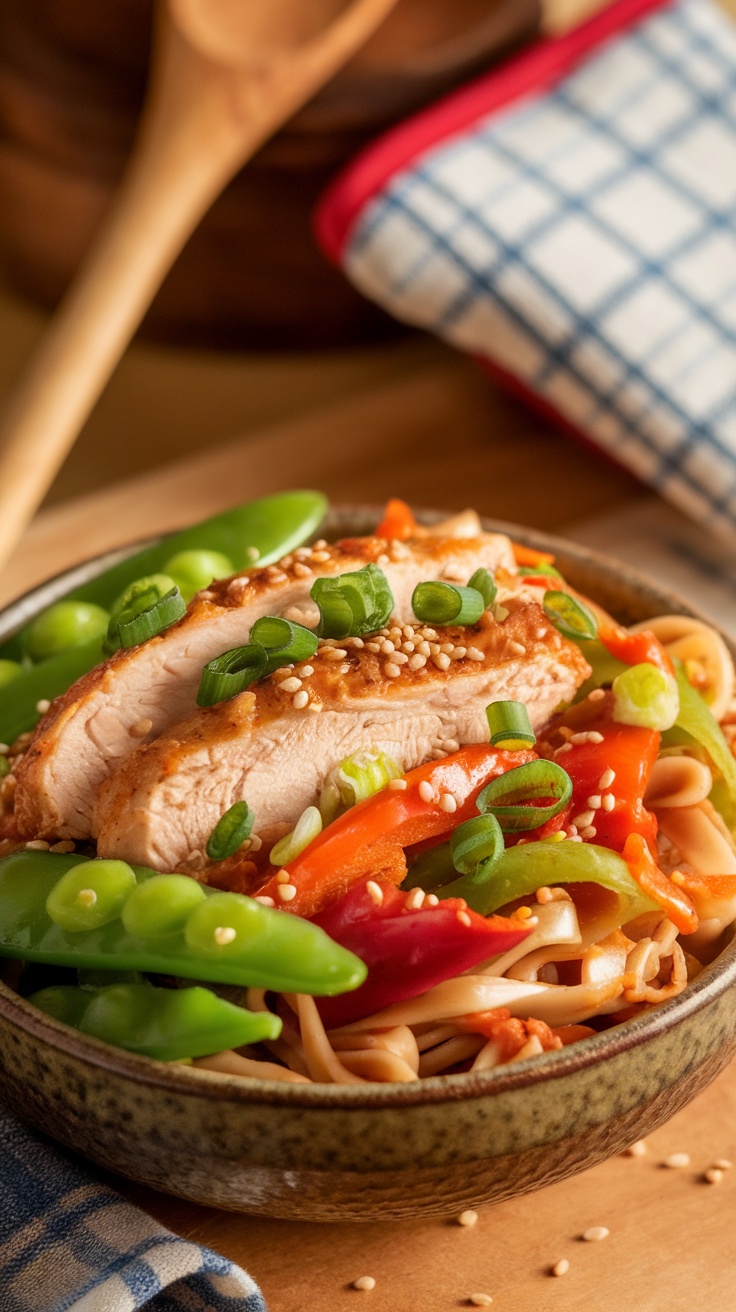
[
  {"x": 713, "y": 1175},
  {"x": 286, "y": 892},
  {"x": 677, "y": 1161},
  {"x": 283, "y": 877},
  {"x": 459, "y": 653},
  {"x": 426, "y": 791},
  {"x": 300, "y": 700},
  {"x": 561, "y": 1268},
  {"x": 429, "y": 633},
  {"x": 375, "y": 892},
  {"x": 475, "y": 654},
  {"x": 448, "y": 803},
  {"x": 480, "y": 1300},
  {"x": 678, "y": 878},
  {"x": 579, "y": 738},
  {"x": 37, "y": 845},
  {"x": 638, "y": 1149},
  {"x": 468, "y": 1218},
  {"x": 224, "y": 934},
  {"x": 585, "y": 818},
  {"x": 464, "y": 918},
  {"x": 292, "y": 684},
  {"x": 448, "y": 648},
  {"x": 252, "y": 553},
  {"x": 399, "y": 658},
  {"x": 407, "y": 647},
  {"x": 723, "y": 1164},
  {"x": 4, "y": 749},
  {"x": 307, "y": 671},
  {"x": 364, "y": 1282},
  {"x": 594, "y": 802},
  {"x": 86, "y": 897},
  {"x": 66, "y": 845},
  {"x": 320, "y": 557},
  {"x": 596, "y": 695},
  {"x": 397, "y": 785},
  {"x": 606, "y": 779},
  {"x": 301, "y": 571},
  {"x": 417, "y": 662},
  {"x": 544, "y": 895},
  {"x": 264, "y": 901},
  {"x": 451, "y": 745},
  {"x": 354, "y": 642},
  {"x": 391, "y": 670},
  {"x": 432, "y": 900},
  {"x": 319, "y": 545},
  {"x": 517, "y": 648},
  {"x": 500, "y": 613},
  {"x": 566, "y": 747},
  {"x": 523, "y": 913},
  {"x": 594, "y": 736},
  {"x": 589, "y": 831},
  {"x": 415, "y": 899},
  {"x": 608, "y": 801},
  {"x": 373, "y": 646},
  {"x": 334, "y": 653},
  {"x": 595, "y": 1233},
  {"x": 395, "y": 632},
  {"x": 43, "y": 705},
  {"x": 387, "y": 647}
]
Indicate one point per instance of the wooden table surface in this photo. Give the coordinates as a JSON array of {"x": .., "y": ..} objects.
[{"x": 442, "y": 437}]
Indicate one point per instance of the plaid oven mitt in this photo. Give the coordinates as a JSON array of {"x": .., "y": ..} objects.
[{"x": 571, "y": 219}]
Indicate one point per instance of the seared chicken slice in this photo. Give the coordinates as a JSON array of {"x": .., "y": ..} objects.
[
  {"x": 134, "y": 696},
  {"x": 275, "y": 745}
]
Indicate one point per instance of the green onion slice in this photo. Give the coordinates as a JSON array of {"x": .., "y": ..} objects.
[
  {"x": 485, "y": 584},
  {"x": 285, "y": 642},
  {"x": 510, "y": 725},
  {"x": 147, "y": 614},
  {"x": 548, "y": 570},
  {"x": 444, "y": 603},
  {"x": 510, "y": 796},
  {"x": 475, "y": 842},
  {"x": 569, "y": 616},
  {"x": 231, "y": 830},
  {"x": 355, "y": 603},
  {"x": 231, "y": 673}
]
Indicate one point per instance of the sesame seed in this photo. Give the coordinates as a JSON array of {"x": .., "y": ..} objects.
[
  {"x": 434, "y": 649},
  {"x": 448, "y": 648},
  {"x": 638, "y": 1149},
  {"x": 589, "y": 831},
  {"x": 397, "y": 785},
  {"x": 594, "y": 736},
  {"x": 43, "y": 705},
  {"x": 320, "y": 557},
  {"x": 480, "y": 1300},
  {"x": 300, "y": 700},
  {"x": 678, "y": 878},
  {"x": 66, "y": 845},
  {"x": 37, "y": 845},
  {"x": 264, "y": 901},
  {"x": 561, "y": 1268},
  {"x": 606, "y": 779},
  {"x": 429, "y": 633},
  {"x": 523, "y": 913},
  {"x": 677, "y": 1161},
  {"x": 292, "y": 684},
  {"x": 608, "y": 801},
  {"x": 544, "y": 895},
  {"x": 354, "y": 642},
  {"x": 387, "y": 647},
  {"x": 451, "y": 745},
  {"x": 86, "y": 897},
  {"x": 391, "y": 670},
  {"x": 464, "y": 918},
  {"x": 468, "y": 1218},
  {"x": 375, "y": 892},
  {"x": 475, "y": 654},
  {"x": 408, "y": 630},
  {"x": 399, "y": 658},
  {"x": 301, "y": 571},
  {"x": 594, "y": 802},
  {"x": 4, "y": 749},
  {"x": 432, "y": 900},
  {"x": 334, "y": 653},
  {"x": 448, "y": 803},
  {"x": 442, "y": 660},
  {"x": 364, "y": 1282},
  {"x": 252, "y": 553},
  {"x": 319, "y": 545},
  {"x": 424, "y": 649},
  {"x": 595, "y": 1233},
  {"x": 395, "y": 632},
  {"x": 286, "y": 892},
  {"x": 517, "y": 648},
  {"x": 283, "y": 877},
  {"x": 723, "y": 1164},
  {"x": 459, "y": 653},
  {"x": 713, "y": 1175},
  {"x": 307, "y": 671},
  {"x": 223, "y": 935},
  {"x": 596, "y": 695},
  {"x": 584, "y": 819},
  {"x": 500, "y": 613},
  {"x": 417, "y": 662},
  {"x": 426, "y": 791},
  {"x": 373, "y": 646},
  {"x": 566, "y": 747},
  {"x": 415, "y": 899},
  {"x": 579, "y": 738}
]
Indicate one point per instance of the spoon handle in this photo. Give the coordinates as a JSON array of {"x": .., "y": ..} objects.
[{"x": 201, "y": 122}]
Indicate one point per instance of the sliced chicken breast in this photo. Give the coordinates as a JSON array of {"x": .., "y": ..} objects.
[
  {"x": 413, "y": 693},
  {"x": 135, "y": 695}
]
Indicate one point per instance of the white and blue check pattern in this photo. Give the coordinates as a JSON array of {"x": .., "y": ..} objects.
[
  {"x": 70, "y": 1244},
  {"x": 584, "y": 239}
]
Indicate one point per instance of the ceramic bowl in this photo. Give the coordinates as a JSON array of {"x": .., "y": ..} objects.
[{"x": 374, "y": 1151}]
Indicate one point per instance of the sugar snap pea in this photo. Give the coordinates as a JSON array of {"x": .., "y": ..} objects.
[
  {"x": 165, "y": 1023},
  {"x": 223, "y": 937}
]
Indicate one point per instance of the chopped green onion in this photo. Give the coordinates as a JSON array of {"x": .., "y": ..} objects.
[
  {"x": 646, "y": 696},
  {"x": 510, "y": 796},
  {"x": 484, "y": 583},
  {"x": 571, "y": 617},
  {"x": 548, "y": 570},
  {"x": 161, "y": 583},
  {"x": 357, "y": 777},
  {"x": 307, "y": 827},
  {"x": 444, "y": 603},
  {"x": 351, "y": 604},
  {"x": 230, "y": 832},
  {"x": 510, "y": 725},
  {"x": 474, "y": 842},
  {"x": 285, "y": 642},
  {"x": 231, "y": 673},
  {"x": 148, "y": 614}
]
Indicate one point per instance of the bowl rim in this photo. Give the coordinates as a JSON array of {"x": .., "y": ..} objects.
[{"x": 714, "y": 980}]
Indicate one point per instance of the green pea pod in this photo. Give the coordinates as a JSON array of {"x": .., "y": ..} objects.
[
  {"x": 164, "y": 1023},
  {"x": 697, "y": 720},
  {"x": 271, "y": 526},
  {"x": 223, "y": 937}
]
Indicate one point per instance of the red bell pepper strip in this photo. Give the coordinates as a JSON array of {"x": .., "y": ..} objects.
[
  {"x": 636, "y": 648},
  {"x": 368, "y": 841},
  {"x": 398, "y": 521},
  {"x": 528, "y": 556},
  {"x": 671, "y": 897},
  {"x": 407, "y": 951},
  {"x": 630, "y": 752}
]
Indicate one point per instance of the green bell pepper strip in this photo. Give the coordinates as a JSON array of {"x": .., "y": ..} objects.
[
  {"x": 605, "y": 667},
  {"x": 168, "y": 1024},
  {"x": 272, "y": 525},
  {"x": 697, "y": 720},
  {"x": 225, "y": 937},
  {"x": 521, "y": 870}
]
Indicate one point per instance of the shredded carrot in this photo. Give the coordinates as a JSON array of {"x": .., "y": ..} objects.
[
  {"x": 528, "y": 556},
  {"x": 671, "y": 897},
  {"x": 398, "y": 521},
  {"x": 508, "y": 1032}
]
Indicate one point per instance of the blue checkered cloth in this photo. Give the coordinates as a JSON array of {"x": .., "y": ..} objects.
[
  {"x": 70, "y": 1244},
  {"x": 583, "y": 238}
]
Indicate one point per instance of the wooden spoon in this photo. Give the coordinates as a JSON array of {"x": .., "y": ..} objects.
[{"x": 225, "y": 75}]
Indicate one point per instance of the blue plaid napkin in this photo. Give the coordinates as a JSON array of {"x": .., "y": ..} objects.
[
  {"x": 70, "y": 1244},
  {"x": 571, "y": 218}
]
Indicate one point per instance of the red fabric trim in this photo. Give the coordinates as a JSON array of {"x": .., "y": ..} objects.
[{"x": 540, "y": 66}]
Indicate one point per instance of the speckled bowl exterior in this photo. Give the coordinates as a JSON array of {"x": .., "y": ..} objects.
[{"x": 363, "y": 1152}]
